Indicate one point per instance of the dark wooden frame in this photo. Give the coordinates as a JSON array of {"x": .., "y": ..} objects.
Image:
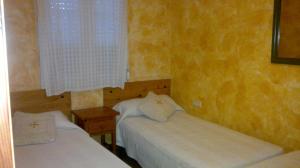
[{"x": 276, "y": 38}]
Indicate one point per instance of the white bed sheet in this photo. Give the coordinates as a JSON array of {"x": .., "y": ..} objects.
[
  {"x": 289, "y": 160},
  {"x": 188, "y": 142},
  {"x": 73, "y": 148}
]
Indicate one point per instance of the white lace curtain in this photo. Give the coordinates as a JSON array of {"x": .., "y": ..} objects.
[{"x": 83, "y": 44}]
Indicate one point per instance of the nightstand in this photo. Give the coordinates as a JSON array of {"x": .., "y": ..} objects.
[{"x": 101, "y": 120}]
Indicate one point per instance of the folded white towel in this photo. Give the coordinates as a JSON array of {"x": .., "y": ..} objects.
[{"x": 33, "y": 129}]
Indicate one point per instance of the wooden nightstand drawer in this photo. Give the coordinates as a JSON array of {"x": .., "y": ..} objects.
[{"x": 99, "y": 126}]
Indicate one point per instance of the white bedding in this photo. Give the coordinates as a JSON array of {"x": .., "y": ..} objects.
[
  {"x": 73, "y": 148},
  {"x": 188, "y": 142},
  {"x": 290, "y": 160},
  {"x": 33, "y": 129}
]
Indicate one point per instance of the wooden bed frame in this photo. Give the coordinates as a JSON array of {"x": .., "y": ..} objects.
[
  {"x": 36, "y": 101},
  {"x": 112, "y": 96}
]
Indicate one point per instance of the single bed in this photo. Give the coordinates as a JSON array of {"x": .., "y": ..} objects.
[
  {"x": 183, "y": 141},
  {"x": 72, "y": 148}
]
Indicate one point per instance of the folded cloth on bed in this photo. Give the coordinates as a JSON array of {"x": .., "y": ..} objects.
[
  {"x": 156, "y": 108},
  {"x": 61, "y": 121},
  {"x": 33, "y": 129}
]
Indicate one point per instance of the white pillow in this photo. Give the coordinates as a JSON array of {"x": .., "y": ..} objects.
[
  {"x": 167, "y": 99},
  {"x": 61, "y": 121},
  {"x": 156, "y": 107},
  {"x": 172, "y": 102},
  {"x": 33, "y": 129},
  {"x": 128, "y": 107}
]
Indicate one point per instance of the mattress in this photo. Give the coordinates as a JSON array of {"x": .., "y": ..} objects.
[
  {"x": 73, "y": 148},
  {"x": 188, "y": 142},
  {"x": 290, "y": 160}
]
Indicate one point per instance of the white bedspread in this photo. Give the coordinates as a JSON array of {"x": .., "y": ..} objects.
[
  {"x": 73, "y": 148},
  {"x": 188, "y": 142},
  {"x": 290, "y": 160}
]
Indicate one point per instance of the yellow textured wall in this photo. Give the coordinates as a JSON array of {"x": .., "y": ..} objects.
[
  {"x": 222, "y": 57},
  {"x": 149, "y": 46},
  {"x": 150, "y": 42},
  {"x": 23, "y": 58}
]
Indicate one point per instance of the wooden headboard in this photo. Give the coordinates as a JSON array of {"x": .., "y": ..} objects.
[
  {"x": 112, "y": 96},
  {"x": 36, "y": 101}
]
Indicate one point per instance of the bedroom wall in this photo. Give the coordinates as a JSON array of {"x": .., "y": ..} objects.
[
  {"x": 150, "y": 42},
  {"x": 149, "y": 46},
  {"x": 23, "y": 58},
  {"x": 222, "y": 58}
]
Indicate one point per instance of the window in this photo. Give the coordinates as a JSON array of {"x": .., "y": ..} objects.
[
  {"x": 67, "y": 25},
  {"x": 83, "y": 44}
]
